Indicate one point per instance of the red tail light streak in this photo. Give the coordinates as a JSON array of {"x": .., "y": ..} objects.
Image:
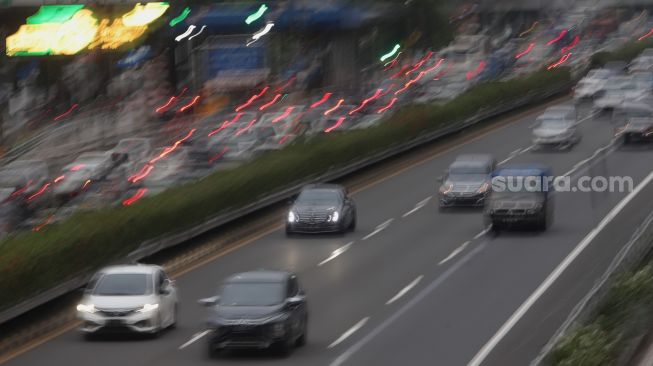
[
  {"x": 401, "y": 72},
  {"x": 270, "y": 103},
  {"x": 329, "y": 111},
  {"x": 570, "y": 46},
  {"x": 286, "y": 85},
  {"x": 226, "y": 124},
  {"x": 218, "y": 155},
  {"x": 474, "y": 73},
  {"x": 323, "y": 100},
  {"x": 366, "y": 101},
  {"x": 650, "y": 32},
  {"x": 38, "y": 193},
  {"x": 246, "y": 128},
  {"x": 283, "y": 116},
  {"x": 252, "y": 99},
  {"x": 86, "y": 184},
  {"x": 144, "y": 172},
  {"x": 59, "y": 178},
  {"x": 77, "y": 167},
  {"x": 67, "y": 113},
  {"x": 561, "y": 61},
  {"x": 166, "y": 106},
  {"x": 559, "y": 37},
  {"x": 336, "y": 125},
  {"x": 133, "y": 199},
  {"x": 45, "y": 223},
  {"x": 172, "y": 148},
  {"x": 526, "y": 51},
  {"x": 189, "y": 105},
  {"x": 392, "y": 102}
]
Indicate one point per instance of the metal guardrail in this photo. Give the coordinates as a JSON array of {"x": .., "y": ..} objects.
[{"x": 153, "y": 246}]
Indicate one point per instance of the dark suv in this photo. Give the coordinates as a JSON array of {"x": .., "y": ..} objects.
[
  {"x": 259, "y": 310},
  {"x": 520, "y": 198}
]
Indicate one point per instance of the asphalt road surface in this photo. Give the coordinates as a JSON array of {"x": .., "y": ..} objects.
[{"x": 414, "y": 286}]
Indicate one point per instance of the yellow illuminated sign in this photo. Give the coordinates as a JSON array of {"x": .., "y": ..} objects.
[
  {"x": 144, "y": 14},
  {"x": 83, "y": 31}
]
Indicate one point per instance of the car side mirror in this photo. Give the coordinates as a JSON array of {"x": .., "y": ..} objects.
[{"x": 209, "y": 301}]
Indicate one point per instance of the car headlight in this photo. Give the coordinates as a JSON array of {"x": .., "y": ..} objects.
[
  {"x": 446, "y": 188},
  {"x": 278, "y": 329},
  {"x": 86, "y": 308},
  {"x": 292, "y": 217},
  {"x": 483, "y": 188},
  {"x": 148, "y": 307},
  {"x": 335, "y": 216}
]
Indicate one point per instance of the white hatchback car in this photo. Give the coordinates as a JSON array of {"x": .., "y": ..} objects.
[{"x": 138, "y": 298}]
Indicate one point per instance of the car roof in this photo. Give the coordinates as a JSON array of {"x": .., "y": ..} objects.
[
  {"x": 472, "y": 161},
  {"x": 523, "y": 170},
  {"x": 322, "y": 186},
  {"x": 259, "y": 276},
  {"x": 130, "y": 268}
]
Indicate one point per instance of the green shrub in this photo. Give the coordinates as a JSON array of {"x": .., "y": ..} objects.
[{"x": 624, "y": 313}]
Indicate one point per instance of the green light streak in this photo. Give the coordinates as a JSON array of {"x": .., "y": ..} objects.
[
  {"x": 56, "y": 14},
  {"x": 259, "y": 13},
  {"x": 391, "y": 53},
  {"x": 180, "y": 18}
]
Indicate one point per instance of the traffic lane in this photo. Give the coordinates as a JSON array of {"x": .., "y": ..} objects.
[
  {"x": 246, "y": 256},
  {"x": 275, "y": 253},
  {"x": 200, "y": 288},
  {"x": 499, "y": 278},
  {"x": 258, "y": 254},
  {"x": 352, "y": 287},
  {"x": 532, "y": 332}
]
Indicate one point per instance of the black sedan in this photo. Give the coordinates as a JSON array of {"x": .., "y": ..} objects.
[
  {"x": 258, "y": 310},
  {"x": 321, "y": 208}
]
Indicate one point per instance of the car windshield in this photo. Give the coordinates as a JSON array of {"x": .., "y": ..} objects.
[
  {"x": 319, "y": 196},
  {"x": 553, "y": 124},
  {"x": 252, "y": 294},
  {"x": 123, "y": 284}
]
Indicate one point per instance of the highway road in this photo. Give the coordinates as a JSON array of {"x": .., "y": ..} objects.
[{"x": 412, "y": 285}]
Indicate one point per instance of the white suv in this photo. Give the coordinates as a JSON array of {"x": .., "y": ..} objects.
[{"x": 137, "y": 298}]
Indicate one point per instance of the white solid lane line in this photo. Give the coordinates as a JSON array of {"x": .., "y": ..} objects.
[
  {"x": 519, "y": 313},
  {"x": 378, "y": 229},
  {"x": 404, "y": 290},
  {"x": 419, "y": 205},
  {"x": 454, "y": 253},
  {"x": 194, "y": 339},
  {"x": 336, "y": 253},
  {"x": 481, "y": 233},
  {"x": 349, "y": 332}
]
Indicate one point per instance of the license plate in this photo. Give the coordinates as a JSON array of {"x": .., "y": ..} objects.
[{"x": 114, "y": 322}]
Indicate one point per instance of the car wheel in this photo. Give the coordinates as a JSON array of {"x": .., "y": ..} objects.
[
  {"x": 212, "y": 352},
  {"x": 542, "y": 223},
  {"x": 301, "y": 341},
  {"x": 286, "y": 347},
  {"x": 156, "y": 333},
  {"x": 352, "y": 225}
]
